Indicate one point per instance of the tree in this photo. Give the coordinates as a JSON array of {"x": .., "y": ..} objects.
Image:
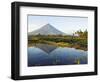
[{"x": 83, "y": 34}]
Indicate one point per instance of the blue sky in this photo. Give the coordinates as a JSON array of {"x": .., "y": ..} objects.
[{"x": 66, "y": 24}]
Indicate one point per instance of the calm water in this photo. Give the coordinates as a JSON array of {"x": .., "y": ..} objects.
[{"x": 58, "y": 56}]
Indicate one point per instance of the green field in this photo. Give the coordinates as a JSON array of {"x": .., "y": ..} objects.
[{"x": 78, "y": 42}]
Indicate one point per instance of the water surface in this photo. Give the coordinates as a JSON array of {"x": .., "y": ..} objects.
[{"x": 38, "y": 56}]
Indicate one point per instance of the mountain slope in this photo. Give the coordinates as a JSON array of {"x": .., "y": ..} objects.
[{"x": 47, "y": 30}]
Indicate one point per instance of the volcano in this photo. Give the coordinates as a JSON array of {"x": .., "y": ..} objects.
[{"x": 47, "y": 29}]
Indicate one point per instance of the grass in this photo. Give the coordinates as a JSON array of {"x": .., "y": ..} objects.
[{"x": 59, "y": 41}]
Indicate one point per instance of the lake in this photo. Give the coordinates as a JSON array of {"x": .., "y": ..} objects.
[{"x": 44, "y": 55}]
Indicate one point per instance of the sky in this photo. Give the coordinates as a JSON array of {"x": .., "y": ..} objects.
[{"x": 66, "y": 24}]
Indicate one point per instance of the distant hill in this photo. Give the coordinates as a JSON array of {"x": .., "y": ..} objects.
[{"x": 47, "y": 30}]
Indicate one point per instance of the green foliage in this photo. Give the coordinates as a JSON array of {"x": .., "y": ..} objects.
[
  {"x": 82, "y": 34},
  {"x": 79, "y": 42}
]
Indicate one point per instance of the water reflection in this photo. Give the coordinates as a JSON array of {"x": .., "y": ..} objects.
[
  {"x": 42, "y": 56},
  {"x": 45, "y": 47}
]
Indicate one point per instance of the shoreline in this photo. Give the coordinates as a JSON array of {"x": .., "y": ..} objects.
[{"x": 58, "y": 45}]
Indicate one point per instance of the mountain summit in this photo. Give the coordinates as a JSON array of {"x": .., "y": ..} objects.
[{"x": 46, "y": 30}]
